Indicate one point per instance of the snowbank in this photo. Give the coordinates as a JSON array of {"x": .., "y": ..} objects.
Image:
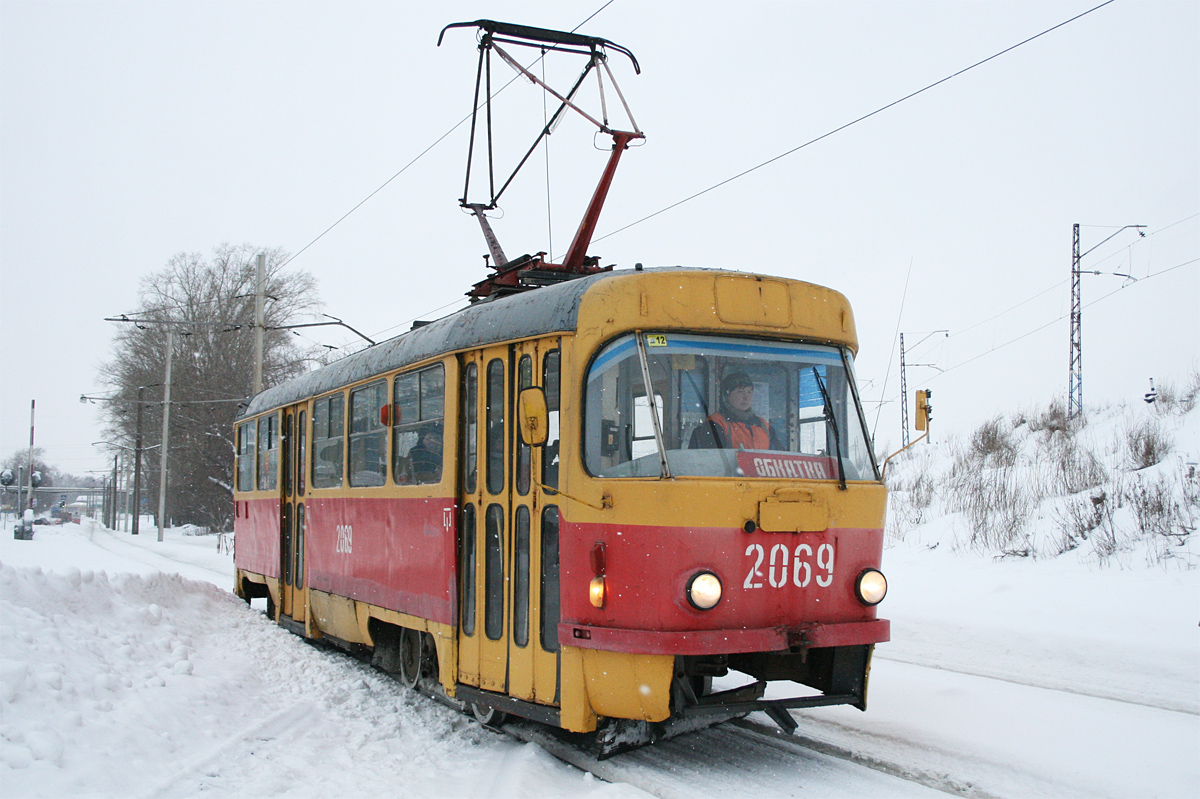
[{"x": 154, "y": 684}]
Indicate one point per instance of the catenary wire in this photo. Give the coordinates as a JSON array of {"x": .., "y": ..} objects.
[
  {"x": 1058, "y": 319},
  {"x": 854, "y": 122}
]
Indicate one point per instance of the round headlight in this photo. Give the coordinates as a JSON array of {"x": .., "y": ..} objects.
[
  {"x": 871, "y": 587},
  {"x": 704, "y": 590}
]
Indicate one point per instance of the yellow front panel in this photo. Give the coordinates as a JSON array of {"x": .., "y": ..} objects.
[
  {"x": 627, "y": 686},
  {"x": 751, "y": 300}
]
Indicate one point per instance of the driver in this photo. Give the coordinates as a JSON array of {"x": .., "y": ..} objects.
[{"x": 735, "y": 426}]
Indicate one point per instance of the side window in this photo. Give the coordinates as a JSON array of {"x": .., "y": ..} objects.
[
  {"x": 419, "y": 434},
  {"x": 493, "y": 566},
  {"x": 245, "y": 456},
  {"x": 549, "y": 586},
  {"x": 550, "y": 386},
  {"x": 268, "y": 452},
  {"x": 368, "y": 436},
  {"x": 285, "y": 451},
  {"x": 468, "y": 429},
  {"x": 495, "y": 426},
  {"x": 466, "y": 570},
  {"x": 301, "y": 450},
  {"x": 520, "y": 613},
  {"x": 299, "y": 535},
  {"x": 328, "y": 430},
  {"x": 524, "y": 381},
  {"x": 285, "y": 544}
]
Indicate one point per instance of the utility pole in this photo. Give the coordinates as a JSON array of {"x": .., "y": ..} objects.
[
  {"x": 904, "y": 364},
  {"x": 259, "y": 291},
  {"x": 29, "y": 473},
  {"x": 137, "y": 465},
  {"x": 166, "y": 430},
  {"x": 903, "y": 396},
  {"x": 1075, "y": 372},
  {"x": 112, "y": 514}
]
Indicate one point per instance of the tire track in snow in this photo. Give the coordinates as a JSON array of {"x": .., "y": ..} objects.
[{"x": 266, "y": 731}]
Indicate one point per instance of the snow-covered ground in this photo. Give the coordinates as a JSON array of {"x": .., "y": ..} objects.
[{"x": 129, "y": 669}]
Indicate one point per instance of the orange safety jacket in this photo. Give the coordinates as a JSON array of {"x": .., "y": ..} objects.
[{"x": 739, "y": 435}]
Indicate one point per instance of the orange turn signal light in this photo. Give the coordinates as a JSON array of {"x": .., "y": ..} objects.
[{"x": 597, "y": 592}]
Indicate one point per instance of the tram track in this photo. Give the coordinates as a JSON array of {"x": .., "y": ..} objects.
[
  {"x": 105, "y": 539},
  {"x": 1051, "y": 685},
  {"x": 741, "y": 757},
  {"x": 746, "y": 756}
]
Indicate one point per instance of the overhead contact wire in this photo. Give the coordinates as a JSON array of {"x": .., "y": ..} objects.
[{"x": 856, "y": 121}]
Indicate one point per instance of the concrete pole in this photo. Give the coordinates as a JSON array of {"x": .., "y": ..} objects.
[
  {"x": 137, "y": 465},
  {"x": 259, "y": 291},
  {"x": 166, "y": 430},
  {"x": 29, "y": 473},
  {"x": 114, "y": 513}
]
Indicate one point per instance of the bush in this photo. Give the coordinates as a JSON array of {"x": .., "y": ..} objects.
[
  {"x": 1078, "y": 469},
  {"x": 1146, "y": 444},
  {"x": 1053, "y": 419},
  {"x": 993, "y": 442}
]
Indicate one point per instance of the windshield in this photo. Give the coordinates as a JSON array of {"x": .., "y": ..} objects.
[{"x": 726, "y": 407}]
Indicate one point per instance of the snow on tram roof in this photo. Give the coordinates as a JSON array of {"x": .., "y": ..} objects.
[{"x": 531, "y": 313}]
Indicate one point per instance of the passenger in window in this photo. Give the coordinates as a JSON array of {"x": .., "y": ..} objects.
[
  {"x": 426, "y": 455},
  {"x": 735, "y": 426}
]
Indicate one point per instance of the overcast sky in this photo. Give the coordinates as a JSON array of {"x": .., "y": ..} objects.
[{"x": 132, "y": 131}]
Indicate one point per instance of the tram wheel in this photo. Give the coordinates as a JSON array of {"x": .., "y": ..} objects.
[
  {"x": 487, "y": 715},
  {"x": 410, "y": 657}
]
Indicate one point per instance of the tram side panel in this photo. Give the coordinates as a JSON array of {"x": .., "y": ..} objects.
[
  {"x": 256, "y": 551},
  {"x": 394, "y": 553},
  {"x": 256, "y": 530}
]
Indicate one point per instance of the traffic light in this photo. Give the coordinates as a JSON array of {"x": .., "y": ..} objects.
[
  {"x": 924, "y": 409},
  {"x": 6, "y": 478},
  {"x": 35, "y": 479}
]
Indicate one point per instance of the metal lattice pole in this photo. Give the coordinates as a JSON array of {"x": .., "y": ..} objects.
[
  {"x": 1075, "y": 377},
  {"x": 903, "y": 396}
]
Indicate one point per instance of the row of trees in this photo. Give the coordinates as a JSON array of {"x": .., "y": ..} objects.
[
  {"x": 207, "y": 305},
  {"x": 18, "y": 462}
]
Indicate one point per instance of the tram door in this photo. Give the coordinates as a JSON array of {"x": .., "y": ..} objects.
[
  {"x": 501, "y": 646},
  {"x": 291, "y": 525},
  {"x": 533, "y": 587}
]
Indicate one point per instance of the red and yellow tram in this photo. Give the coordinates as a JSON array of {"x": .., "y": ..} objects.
[{"x": 581, "y": 503}]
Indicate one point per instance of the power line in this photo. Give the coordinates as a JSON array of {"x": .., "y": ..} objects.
[
  {"x": 854, "y": 122},
  {"x": 899, "y": 318},
  {"x": 1054, "y": 321},
  {"x": 1061, "y": 282},
  {"x": 1064, "y": 316}
]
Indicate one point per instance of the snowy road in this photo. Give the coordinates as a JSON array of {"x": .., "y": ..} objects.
[{"x": 125, "y": 672}]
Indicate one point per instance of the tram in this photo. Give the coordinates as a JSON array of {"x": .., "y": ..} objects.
[{"x": 581, "y": 502}]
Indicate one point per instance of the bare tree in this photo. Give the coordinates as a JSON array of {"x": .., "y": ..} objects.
[{"x": 209, "y": 306}]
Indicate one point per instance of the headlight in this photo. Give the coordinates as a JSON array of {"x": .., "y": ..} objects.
[
  {"x": 704, "y": 591},
  {"x": 871, "y": 587}
]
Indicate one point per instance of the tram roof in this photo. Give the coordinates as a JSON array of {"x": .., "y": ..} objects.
[
  {"x": 539, "y": 312},
  {"x": 550, "y": 309}
]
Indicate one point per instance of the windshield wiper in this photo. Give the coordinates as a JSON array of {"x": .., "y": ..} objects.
[{"x": 832, "y": 420}]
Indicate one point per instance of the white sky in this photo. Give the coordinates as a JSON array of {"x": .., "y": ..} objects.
[{"x": 130, "y": 132}]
